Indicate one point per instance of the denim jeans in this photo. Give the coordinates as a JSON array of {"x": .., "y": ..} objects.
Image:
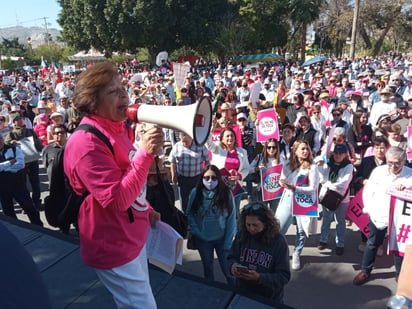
[
  {"x": 186, "y": 184},
  {"x": 33, "y": 173},
  {"x": 273, "y": 204},
  {"x": 237, "y": 199},
  {"x": 339, "y": 216},
  {"x": 206, "y": 252},
  {"x": 284, "y": 215},
  {"x": 375, "y": 239}
]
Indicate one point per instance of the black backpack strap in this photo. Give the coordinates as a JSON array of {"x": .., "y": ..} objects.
[{"x": 92, "y": 129}]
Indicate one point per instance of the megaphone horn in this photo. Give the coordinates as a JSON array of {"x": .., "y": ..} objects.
[{"x": 195, "y": 119}]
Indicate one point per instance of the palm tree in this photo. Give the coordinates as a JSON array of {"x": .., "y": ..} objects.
[{"x": 302, "y": 13}]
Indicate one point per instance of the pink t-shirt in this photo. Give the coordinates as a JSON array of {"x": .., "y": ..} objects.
[
  {"x": 108, "y": 238},
  {"x": 232, "y": 160}
]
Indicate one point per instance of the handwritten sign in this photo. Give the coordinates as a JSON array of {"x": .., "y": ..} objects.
[
  {"x": 268, "y": 125},
  {"x": 399, "y": 229},
  {"x": 271, "y": 188},
  {"x": 356, "y": 214}
]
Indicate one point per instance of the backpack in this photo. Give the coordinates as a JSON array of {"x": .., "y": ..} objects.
[{"x": 62, "y": 205}]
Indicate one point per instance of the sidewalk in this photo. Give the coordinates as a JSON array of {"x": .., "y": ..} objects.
[{"x": 325, "y": 280}]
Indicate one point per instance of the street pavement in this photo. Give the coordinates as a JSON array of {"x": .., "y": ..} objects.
[{"x": 325, "y": 279}]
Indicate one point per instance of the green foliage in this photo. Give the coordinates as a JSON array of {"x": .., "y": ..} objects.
[{"x": 12, "y": 47}]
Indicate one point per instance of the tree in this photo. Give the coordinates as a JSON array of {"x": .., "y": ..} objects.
[
  {"x": 302, "y": 13},
  {"x": 12, "y": 47}
]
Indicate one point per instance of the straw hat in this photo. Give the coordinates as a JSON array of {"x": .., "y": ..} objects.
[{"x": 41, "y": 106}]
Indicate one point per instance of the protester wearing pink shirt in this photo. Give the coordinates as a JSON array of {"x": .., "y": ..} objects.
[{"x": 114, "y": 217}]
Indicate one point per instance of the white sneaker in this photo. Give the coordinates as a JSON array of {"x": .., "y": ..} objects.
[{"x": 295, "y": 261}]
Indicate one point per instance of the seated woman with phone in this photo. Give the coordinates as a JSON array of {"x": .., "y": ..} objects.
[{"x": 259, "y": 257}]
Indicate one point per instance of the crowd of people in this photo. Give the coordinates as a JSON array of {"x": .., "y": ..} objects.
[{"x": 343, "y": 127}]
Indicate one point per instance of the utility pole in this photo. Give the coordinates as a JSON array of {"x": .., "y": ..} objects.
[
  {"x": 47, "y": 32},
  {"x": 354, "y": 24}
]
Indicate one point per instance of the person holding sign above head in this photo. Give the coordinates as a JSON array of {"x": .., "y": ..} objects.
[
  {"x": 269, "y": 157},
  {"x": 299, "y": 175},
  {"x": 225, "y": 154},
  {"x": 335, "y": 176}
]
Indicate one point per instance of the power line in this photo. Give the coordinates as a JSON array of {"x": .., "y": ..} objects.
[{"x": 23, "y": 22}]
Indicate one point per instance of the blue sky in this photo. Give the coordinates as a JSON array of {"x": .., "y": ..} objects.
[{"x": 29, "y": 13}]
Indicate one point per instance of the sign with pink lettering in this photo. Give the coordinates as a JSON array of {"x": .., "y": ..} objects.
[
  {"x": 271, "y": 188},
  {"x": 268, "y": 125},
  {"x": 305, "y": 203},
  {"x": 409, "y": 142},
  {"x": 216, "y": 134},
  {"x": 356, "y": 214},
  {"x": 399, "y": 229}
]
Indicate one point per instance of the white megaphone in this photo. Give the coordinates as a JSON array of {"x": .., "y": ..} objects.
[{"x": 194, "y": 119}]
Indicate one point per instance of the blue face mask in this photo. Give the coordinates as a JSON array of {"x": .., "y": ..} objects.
[{"x": 210, "y": 184}]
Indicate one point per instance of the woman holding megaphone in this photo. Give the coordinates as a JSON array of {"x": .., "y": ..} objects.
[{"x": 114, "y": 217}]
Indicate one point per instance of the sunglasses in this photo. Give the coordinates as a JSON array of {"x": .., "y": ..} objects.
[
  {"x": 336, "y": 114},
  {"x": 272, "y": 147},
  {"x": 207, "y": 178},
  {"x": 58, "y": 132},
  {"x": 254, "y": 206},
  {"x": 316, "y": 113},
  {"x": 3, "y": 119}
]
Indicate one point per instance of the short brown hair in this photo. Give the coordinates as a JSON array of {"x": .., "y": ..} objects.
[{"x": 88, "y": 85}]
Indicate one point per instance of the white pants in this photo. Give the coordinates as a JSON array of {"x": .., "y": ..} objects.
[{"x": 129, "y": 284}]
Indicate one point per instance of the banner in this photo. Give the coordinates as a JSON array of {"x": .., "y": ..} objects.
[
  {"x": 409, "y": 142},
  {"x": 180, "y": 71},
  {"x": 234, "y": 186},
  {"x": 271, "y": 188},
  {"x": 254, "y": 93},
  {"x": 305, "y": 203},
  {"x": 268, "y": 125},
  {"x": 399, "y": 228},
  {"x": 356, "y": 214}
]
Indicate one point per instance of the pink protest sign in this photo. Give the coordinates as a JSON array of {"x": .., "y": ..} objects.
[
  {"x": 216, "y": 134},
  {"x": 234, "y": 186},
  {"x": 409, "y": 142},
  {"x": 399, "y": 229},
  {"x": 305, "y": 203},
  {"x": 356, "y": 214},
  {"x": 268, "y": 125},
  {"x": 271, "y": 188}
]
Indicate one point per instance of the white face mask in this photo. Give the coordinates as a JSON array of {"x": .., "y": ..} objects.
[{"x": 210, "y": 184}]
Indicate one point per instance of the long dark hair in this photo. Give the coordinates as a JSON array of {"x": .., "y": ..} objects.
[
  {"x": 221, "y": 199},
  {"x": 265, "y": 152},
  {"x": 264, "y": 215}
]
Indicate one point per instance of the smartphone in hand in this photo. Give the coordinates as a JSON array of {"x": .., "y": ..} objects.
[{"x": 242, "y": 268}]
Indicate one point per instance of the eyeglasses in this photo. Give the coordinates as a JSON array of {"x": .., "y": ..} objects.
[
  {"x": 336, "y": 114},
  {"x": 207, "y": 178},
  {"x": 394, "y": 164}
]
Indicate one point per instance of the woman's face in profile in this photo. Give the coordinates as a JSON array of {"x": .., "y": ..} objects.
[{"x": 113, "y": 101}]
